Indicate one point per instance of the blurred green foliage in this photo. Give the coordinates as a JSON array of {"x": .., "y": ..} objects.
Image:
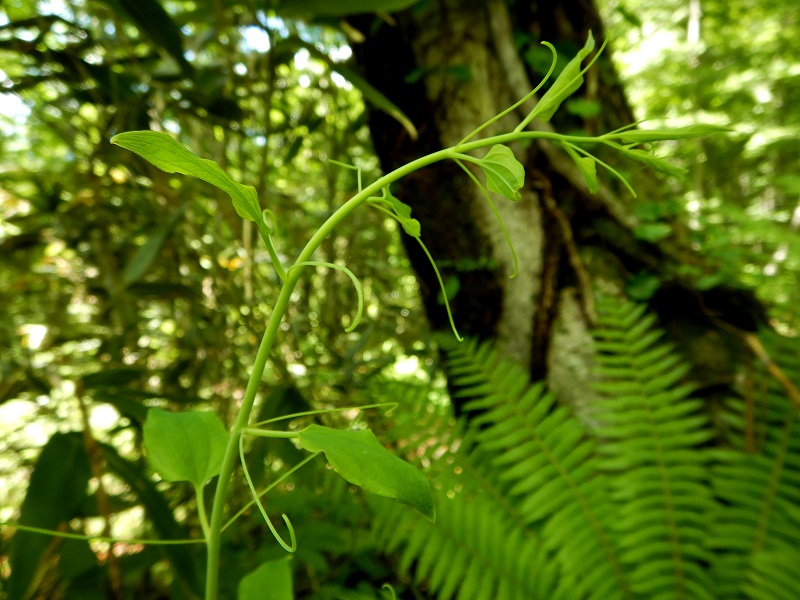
[
  {"x": 732, "y": 63},
  {"x": 124, "y": 288}
]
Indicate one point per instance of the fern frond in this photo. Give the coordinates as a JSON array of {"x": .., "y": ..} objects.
[
  {"x": 759, "y": 484},
  {"x": 545, "y": 459},
  {"x": 774, "y": 575},
  {"x": 470, "y": 553},
  {"x": 651, "y": 433}
]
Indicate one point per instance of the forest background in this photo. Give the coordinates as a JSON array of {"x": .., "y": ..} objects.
[{"x": 125, "y": 288}]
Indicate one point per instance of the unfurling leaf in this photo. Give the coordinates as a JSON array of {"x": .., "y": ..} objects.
[
  {"x": 186, "y": 446},
  {"x": 568, "y": 82},
  {"x": 360, "y": 459},
  {"x": 587, "y": 166},
  {"x": 166, "y": 153},
  {"x": 504, "y": 173},
  {"x": 642, "y": 136}
]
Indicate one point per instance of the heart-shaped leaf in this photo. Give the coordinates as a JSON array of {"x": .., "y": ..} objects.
[
  {"x": 186, "y": 446},
  {"x": 360, "y": 459},
  {"x": 504, "y": 173},
  {"x": 166, "y": 153}
]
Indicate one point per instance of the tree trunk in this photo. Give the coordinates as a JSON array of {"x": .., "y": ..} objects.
[
  {"x": 450, "y": 65},
  {"x": 468, "y": 68}
]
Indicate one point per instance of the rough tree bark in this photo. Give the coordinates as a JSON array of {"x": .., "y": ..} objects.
[{"x": 452, "y": 64}]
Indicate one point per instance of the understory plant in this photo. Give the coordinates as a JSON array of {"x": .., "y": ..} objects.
[{"x": 195, "y": 447}]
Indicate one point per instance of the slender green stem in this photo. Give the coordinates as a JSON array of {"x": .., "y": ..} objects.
[
  {"x": 226, "y": 470},
  {"x": 267, "y": 433},
  {"x": 290, "y": 280},
  {"x": 324, "y": 411},
  {"x": 201, "y": 509},
  {"x": 98, "y": 538}
]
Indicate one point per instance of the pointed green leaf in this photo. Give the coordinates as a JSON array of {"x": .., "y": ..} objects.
[
  {"x": 375, "y": 97},
  {"x": 504, "y": 173},
  {"x": 641, "y": 136},
  {"x": 567, "y": 84},
  {"x": 186, "y": 446},
  {"x": 360, "y": 459},
  {"x": 166, "y": 153},
  {"x": 587, "y": 166},
  {"x": 369, "y": 92},
  {"x": 271, "y": 581},
  {"x": 653, "y": 162}
]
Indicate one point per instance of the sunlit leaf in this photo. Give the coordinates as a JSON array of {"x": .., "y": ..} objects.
[
  {"x": 504, "y": 173},
  {"x": 166, "y": 153},
  {"x": 360, "y": 459},
  {"x": 270, "y": 581},
  {"x": 185, "y": 446},
  {"x": 567, "y": 84}
]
